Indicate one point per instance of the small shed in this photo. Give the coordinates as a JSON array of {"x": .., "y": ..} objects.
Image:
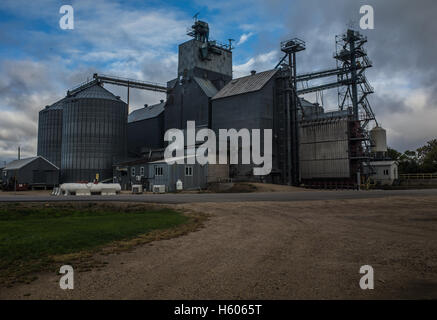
[
  {"x": 151, "y": 173},
  {"x": 385, "y": 172},
  {"x": 30, "y": 173},
  {"x": 193, "y": 176}
]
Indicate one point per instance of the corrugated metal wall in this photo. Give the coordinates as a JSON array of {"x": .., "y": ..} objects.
[
  {"x": 253, "y": 110},
  {"x": 324, "y": 149},
  {"x": 50, "y": 135},
  {"x": 94, "y": 137},
  {"x": 145, "y": 134}
]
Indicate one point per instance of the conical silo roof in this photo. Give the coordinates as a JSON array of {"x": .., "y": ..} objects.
[{"x": 95, "y": 92}]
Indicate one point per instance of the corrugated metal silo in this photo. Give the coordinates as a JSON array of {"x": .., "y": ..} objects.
[
  {"x": 50, "y": 132},
  {"x": 93, "y": 134}
]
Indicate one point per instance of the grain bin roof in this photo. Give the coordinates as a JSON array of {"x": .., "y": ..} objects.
[
  {"x": 146, "y": 112},
  {"x": 95, "y": 92},
  {"x": 58, "y": 104},
  {"x": 246, "y": 84}
]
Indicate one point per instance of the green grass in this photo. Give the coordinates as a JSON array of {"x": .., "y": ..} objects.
[{"x": 31, "y": 235}]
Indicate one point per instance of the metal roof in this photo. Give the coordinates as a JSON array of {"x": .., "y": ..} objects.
[
  {"x": 207, "y": 86},
  {"x": 174, "y": 159},
  {"x": 306, "y": 104},
  {"x": 58, "y": 105},
  {"x": 246, "y": 84},
  {"x": 146, "y": 112},
  {"x": 18, "y": 164},
  {"x": 95, "y": 92}
]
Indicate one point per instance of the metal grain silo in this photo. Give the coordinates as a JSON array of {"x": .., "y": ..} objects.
[
  {"x": 50, "y": 132},
  {"x": 378, "y": 136},
  {"x": 93, "y": 134}
]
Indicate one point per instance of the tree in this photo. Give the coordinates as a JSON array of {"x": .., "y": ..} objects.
[
  {"x": 393, "y": 154},
  {"x": 428, "y": 156},
  {"x": 423, "y": 160}
]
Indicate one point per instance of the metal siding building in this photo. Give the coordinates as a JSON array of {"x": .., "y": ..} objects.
[
  {"x": 93, "y": 134},
  {"x": 189, "y": 58},
  {"x": 145, "y": 129},
  {"x": 50, "y": 132},
  {"x": 172, "y": 173},
  {"x": 246, "y": 102},
  {"x": 189, "y": 101},
  {"x": 160, "y": 173},
  {"x": 324, "y": 149},
  {"x": 32, "y": 172}
]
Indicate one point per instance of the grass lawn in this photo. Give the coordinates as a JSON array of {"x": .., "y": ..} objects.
[{"x": 33, "y": 235}]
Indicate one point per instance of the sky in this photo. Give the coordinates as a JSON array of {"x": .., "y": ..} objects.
[{"x": 137, "y": 39}]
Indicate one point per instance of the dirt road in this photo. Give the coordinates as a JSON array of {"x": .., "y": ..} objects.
[{"x": 273, "y": 250}]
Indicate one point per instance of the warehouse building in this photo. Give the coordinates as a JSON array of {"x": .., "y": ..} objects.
[{"x": 30, "y": 173}]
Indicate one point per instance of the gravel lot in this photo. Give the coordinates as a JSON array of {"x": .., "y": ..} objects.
[{"x": 273, "y": 250}]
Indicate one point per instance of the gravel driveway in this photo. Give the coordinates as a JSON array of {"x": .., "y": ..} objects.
[{"x": 273, "y": 250}]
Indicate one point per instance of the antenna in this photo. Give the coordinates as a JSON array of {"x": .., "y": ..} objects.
[
  {"x": 195, "y": 16},
  {"x": 230, "y": 43}
]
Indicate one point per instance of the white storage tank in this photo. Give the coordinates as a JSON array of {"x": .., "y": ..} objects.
[
  {"x": 378, "y": 136},
  {"x": 86, "y": 189}
]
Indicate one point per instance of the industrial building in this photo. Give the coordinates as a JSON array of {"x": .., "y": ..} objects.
[
  {"x": 146, "y": 122},
  {"x": 30, "y": 173},
  {"x": 90, "y": 135},
  {"x": 159, "y": 173},
  {"x": 385, "y": 172}
]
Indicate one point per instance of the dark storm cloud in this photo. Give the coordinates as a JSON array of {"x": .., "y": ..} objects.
[{"x": 402, "y": 47}]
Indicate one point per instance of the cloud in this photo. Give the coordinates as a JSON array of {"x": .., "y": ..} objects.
[
  {"x": 244, "y": 37},
  {"x": 260, "y": 62},
  {"x": 138, "y": 43},
  {"x": 401, "y": 47},
  {"x": 139, "y": 40}
]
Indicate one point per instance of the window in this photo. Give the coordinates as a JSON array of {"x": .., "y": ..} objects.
[
  {"x": 142, "y": 171},
  {"x": 188, "y": 170},
  {"x": 132, "y": 170},
  {"x": 158, "y": 171},
  {"x": 386, "y": 172}
]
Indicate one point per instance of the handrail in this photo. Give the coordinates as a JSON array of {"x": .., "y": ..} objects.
[{"x": 416, "y": 176}]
